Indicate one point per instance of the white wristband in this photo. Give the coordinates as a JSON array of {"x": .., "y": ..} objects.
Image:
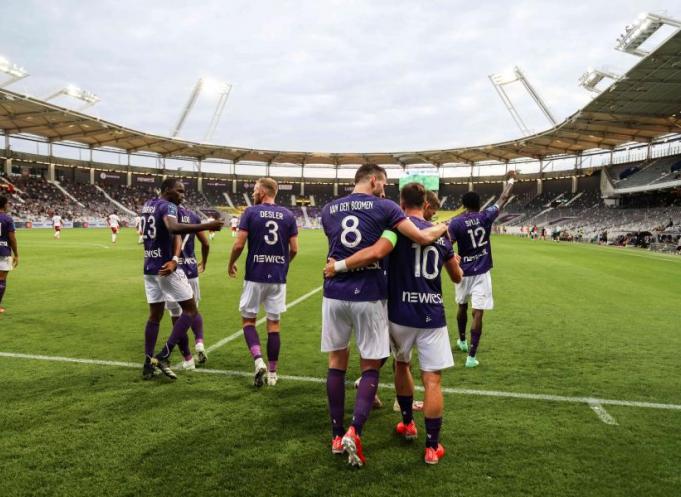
[
  {"x": 176, "y": 259},
  {"x": 340, "y": 266},
  {"x": 510, "y": 181}
]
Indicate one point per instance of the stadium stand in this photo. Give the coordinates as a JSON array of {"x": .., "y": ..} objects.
[{"x": 591, "y": 172}]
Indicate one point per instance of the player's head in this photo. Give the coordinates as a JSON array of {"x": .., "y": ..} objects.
[
  {"x": 413, "y": 196},
  {"x": 432, "y": 205},
  {"x": 265, "y": 188},
  {"x": 471, "y": 201},
  {"x": 373, "y": 175},
  {"x": 4, "y": 202},
  {"x": 172, "y": 189}
]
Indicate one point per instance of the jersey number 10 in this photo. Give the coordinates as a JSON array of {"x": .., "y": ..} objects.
[{"x": 421, "y": 261}]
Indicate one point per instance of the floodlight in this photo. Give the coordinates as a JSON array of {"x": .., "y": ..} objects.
[
  {"x": 88, "y": 97},
  {"x": 644, "y": 27},
  {"x": 213, "y": 87},
  {"x": 499, "y": 80},
  {"x": 14, "y": 72},
  {"x": 506, "y": 77},
  {"x": 590, "y": 79}
]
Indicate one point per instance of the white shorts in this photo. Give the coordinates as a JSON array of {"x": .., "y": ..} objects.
[
  {"x": 175, "y": 309},
  {"x": 172, "y": 288},
  {"x": 368, "y": 319},
  {"x": 6, "y": 263},
  {"x": 271, "y": 295},
  {"x": 435, "y": 352},
  {"x": 478, "y": 288}
]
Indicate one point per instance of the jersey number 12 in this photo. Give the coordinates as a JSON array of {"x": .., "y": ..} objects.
[{"x": 480, "y": 233}]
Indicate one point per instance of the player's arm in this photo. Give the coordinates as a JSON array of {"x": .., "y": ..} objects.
[
  {"x": 381, "y": 248},
  {"x": 174, "y": 226},
  {"x": 454, "y": 269},
  {"x": 171, "y": 265},
  {"x": 506, "y": 193},
  {"x": 238, "y": 247},
  {"x": 292, "y": 248},
  {"x": 205, "y": 249},
  {"x": 13, "y": 245},
  {"x": 422, "y": 237}
]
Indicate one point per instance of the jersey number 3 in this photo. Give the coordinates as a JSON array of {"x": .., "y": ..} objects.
[{"x": 272, "y": 237}]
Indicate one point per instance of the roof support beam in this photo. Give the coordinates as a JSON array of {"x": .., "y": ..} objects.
[
  {"x": 83, "y": 134},
  {"x": 625, "y": 118},
  {"x": 146, "y": 146}
]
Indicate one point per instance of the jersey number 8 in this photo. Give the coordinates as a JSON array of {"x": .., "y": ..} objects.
[{"x": 350, "y": 224}]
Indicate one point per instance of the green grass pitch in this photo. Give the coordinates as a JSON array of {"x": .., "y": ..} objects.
[{"x": 570, "y": 320}]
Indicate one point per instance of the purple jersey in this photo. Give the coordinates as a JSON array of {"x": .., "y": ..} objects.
[
  {"x": 270, "y": 227},
  {"x": 6, "y": 227},
  {"x": 352, "y": 223},
  {"x": 471, "y": 231},
  {"x": 158, "y": 241},
  {"x": 188, "y": 261},
  {"x": 414, "y": 283}
]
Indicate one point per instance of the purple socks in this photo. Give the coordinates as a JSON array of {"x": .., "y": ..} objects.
[
  {"x": 252, "y": 341},
  {"x": 180, "y": 329},
  {"x": 150, "y": 336},
  {"x": 366, "y": 391},
  {"x": 406, "y": 405},
  {"x": 335, "y": 391},
  {"x": 273, "y": 346},
  {"x": 475, "y": 340},
  {"x": 433, "y": 426},
  {"x": 183, "y": 345},
  {"x": 197, "y": 328},
  {"x": 3, "y": 287}
]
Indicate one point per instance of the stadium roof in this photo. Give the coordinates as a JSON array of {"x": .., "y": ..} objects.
[{"x": 642, "y": 106}]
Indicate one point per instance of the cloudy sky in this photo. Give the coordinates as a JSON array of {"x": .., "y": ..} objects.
[{"x": 324, "y": 75}]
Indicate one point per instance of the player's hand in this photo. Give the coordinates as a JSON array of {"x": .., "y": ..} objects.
[
  {"x": 201, "y": 267},
  {"x": 168, "y": 268},
  {"x": 511, "y": 174},
  {"x": 444, "y": 228},
  {"x": 232, "y": 271},
  {"x": 330, "y": 268},
  {"x": 214, "y": 225},
  {"x": 15, "y": 261}
]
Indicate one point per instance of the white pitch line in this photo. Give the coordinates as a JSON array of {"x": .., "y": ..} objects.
[
  {"x": 52, "y": 358},
  {"x": 602, "y": 414},
  {"x": 240, "y": 332},
  {"x": 590, "y": 401}
]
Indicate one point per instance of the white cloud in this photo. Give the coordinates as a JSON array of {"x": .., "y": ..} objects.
[{"x": 325, "y": 75}]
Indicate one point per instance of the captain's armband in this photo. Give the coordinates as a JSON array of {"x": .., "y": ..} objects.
[{"x": 391, "y": 236}]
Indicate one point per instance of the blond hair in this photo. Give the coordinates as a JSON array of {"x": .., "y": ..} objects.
[{"x": 269, "y": 185}]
